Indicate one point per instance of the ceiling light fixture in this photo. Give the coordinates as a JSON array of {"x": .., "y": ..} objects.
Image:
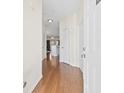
[
  {"x": 50, "y": 20},
  {"x": 52, "y": 37}
]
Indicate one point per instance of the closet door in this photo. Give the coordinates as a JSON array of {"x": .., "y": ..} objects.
[
  {"x": 69, "y": 41},
  {"x": 64, "y": 43},
  {"x": 74, "y": 46},
  {"x": 67, "y": 45}
]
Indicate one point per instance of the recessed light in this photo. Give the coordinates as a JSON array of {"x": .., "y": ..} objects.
[{"x": 50, "y": 20}]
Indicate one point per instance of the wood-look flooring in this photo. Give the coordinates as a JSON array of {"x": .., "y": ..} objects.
[{"x": 60, "y": 78}]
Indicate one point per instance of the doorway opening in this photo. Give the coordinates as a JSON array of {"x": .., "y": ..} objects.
[{"x": 52, "y": 46}]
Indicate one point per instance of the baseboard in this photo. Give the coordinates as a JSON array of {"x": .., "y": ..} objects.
[{"x": 37, "y": 82}]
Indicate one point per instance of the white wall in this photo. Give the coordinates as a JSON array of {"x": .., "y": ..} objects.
[
  {"x": 44, "y": 40},
  {"x": 32, "y": 44},
  {"x": 81, "y": 33},
  {"x": 52, "y": 29}
]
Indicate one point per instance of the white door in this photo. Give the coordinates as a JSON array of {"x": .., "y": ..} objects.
[
  {"x": 92, "y": 65},
  {"x": 64, "y": 45},
  {"x": 74, "y": 45},
  {"x": 69, "y": 41}
]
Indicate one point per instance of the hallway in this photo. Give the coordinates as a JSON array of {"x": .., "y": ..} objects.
[{"x": 60, "y": 78}]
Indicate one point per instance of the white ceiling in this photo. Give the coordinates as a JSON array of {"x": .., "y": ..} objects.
[{"x": 56, "y": 9}]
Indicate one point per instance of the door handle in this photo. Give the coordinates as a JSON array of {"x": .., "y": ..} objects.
[
  {"x": 83, "y": 56},
  {"x": 84, "y": 48}
]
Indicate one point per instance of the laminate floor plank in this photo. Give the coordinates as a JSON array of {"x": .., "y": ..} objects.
[{"x": 60, "y": 78}]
